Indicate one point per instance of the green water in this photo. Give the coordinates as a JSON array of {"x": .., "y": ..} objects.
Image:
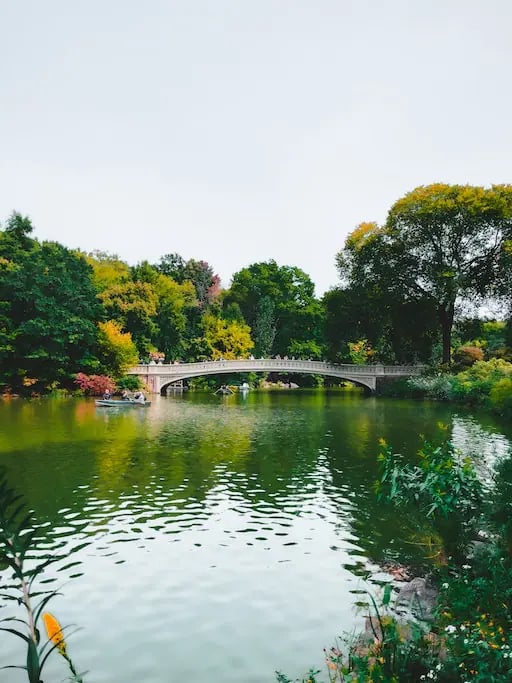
[{"x": 226, "y": 535}]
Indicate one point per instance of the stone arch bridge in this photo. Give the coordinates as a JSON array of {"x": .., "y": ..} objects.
[{"x": 158, "y": 376}]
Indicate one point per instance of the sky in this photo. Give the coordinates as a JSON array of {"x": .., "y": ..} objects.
[{"x": 237, "y": 131}]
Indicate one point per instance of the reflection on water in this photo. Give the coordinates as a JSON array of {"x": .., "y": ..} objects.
[{"x": 225, "y": 535}]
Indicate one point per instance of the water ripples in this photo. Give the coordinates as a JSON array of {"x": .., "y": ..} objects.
[{"x": 221, "y": 540}]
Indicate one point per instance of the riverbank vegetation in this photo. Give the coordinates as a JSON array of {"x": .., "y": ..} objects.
[
  {"x": 467, "y": 634},
  {"x": 410, "y": 291}
]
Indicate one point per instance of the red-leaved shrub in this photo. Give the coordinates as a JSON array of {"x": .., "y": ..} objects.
[{"x": 94, "y": 385}]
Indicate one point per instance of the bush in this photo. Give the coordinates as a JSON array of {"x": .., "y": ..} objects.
[
  {"x": 466, "y": 356},
  {"x": 130, "y": 383},
  {"x": 501, "y": 396},
  {"x": 476, "y": 383},
  {"x": 442, "y": 484},
  {"x": 437, "y": 387},
  {"x": 94, "y": 385}
]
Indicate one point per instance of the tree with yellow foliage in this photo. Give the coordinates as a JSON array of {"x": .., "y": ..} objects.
[
  {"x": 228, "y": 340},
  {"x": 117, "y": 350},
  {"x": 440, "y": 244}
]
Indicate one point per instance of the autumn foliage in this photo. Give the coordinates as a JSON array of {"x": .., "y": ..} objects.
[{"x": 94, "y": 385}]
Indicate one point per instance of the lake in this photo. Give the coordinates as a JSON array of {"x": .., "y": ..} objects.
[{"x": 225, "y": 535}]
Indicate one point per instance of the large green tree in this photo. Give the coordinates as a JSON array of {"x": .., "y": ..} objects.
[
  {"x": 48, "y": 310},
  {"x": 285, "y": 297},
  {"x": 440, "y": 244}
]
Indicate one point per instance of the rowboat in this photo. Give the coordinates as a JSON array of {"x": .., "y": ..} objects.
[{"x": 114, "y": 403}]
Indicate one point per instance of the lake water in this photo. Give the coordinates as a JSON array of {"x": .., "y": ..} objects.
[{"x": 225, "y": 535}]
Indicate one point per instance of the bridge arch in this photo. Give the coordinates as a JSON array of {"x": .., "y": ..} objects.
[{"x": 368, "y": 384}]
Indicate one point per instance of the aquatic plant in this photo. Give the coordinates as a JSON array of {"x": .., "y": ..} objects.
[
  {"x": 25, "y": 554},
  {"x": 441, "y": 484},
  {"x": 55, "y": 635}
]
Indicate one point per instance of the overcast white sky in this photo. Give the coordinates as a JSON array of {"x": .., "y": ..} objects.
[{"x": 237, "y": 131}]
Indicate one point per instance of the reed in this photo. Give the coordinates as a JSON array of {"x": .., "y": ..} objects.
[{"x": 25, "y": 555}]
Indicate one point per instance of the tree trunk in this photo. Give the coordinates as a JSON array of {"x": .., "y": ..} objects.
[{"x": 446, "y": 318}]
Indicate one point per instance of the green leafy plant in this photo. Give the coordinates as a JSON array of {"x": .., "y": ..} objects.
[
  {"x": 26, "y": 554},
  {"x": 360, "y": 352},
  {"x": 476, "y": 383},
  {"x": 130, "y": 383},
  {"x": 442, "y": 484}
]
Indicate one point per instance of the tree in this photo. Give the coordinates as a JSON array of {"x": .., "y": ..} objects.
[
  {"x": 16, "y": 238},
  {"x": 228, "y": 340},
  {"x": 205, "y": 282},
  {"x": 172, "y": 265},
  {"x": 117, "y": 350},
  {"x": 134, "y": 306},
  {"x": 264, "y": 328},
  {"x": 200, "y": 273},
  {"x": 108, "y": 269},
  {"x": 48, "y": 311},
  {"x": 440, "y": 243},
  {"x": 296, "y": 313},
  {"x": 174, "y": 302}
]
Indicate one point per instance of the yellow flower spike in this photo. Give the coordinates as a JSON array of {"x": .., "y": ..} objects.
[{"x": 54, "y": 632}]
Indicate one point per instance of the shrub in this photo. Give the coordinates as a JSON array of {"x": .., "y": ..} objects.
[
  {"x": 442, "y": 484},
  {"x": 437, "y": 387},
  {"x": 94, "y": 385},
  {"x": 130, "y": 383},
  {"x": 476, "y": 383},
  {"x": 501, "y": 396},
  {"x": 466, "y": 356}
]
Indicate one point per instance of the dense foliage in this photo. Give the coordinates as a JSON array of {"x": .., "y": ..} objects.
[
  {"x": 69, "y": 319},
  {"x": 440, "y": 245},
  {"x": 404, "y": 286}
]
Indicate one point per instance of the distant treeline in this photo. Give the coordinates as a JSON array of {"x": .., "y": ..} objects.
[{"x": 64, "y": 312}]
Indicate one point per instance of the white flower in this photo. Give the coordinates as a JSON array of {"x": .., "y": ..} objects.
[
  {"x": 450, "y": 628},
  {"x": 462, "y": 627},
  {"x": 445, "y": 585},
  {"x": 483, "y": 534},
  {"x": 466, "y": 566}
]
